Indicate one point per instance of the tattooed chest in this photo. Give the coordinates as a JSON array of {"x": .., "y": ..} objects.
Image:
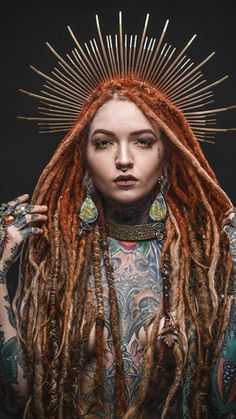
[
  {"x": 137, "y": 283},
  {"x": 138, "y": 288}
]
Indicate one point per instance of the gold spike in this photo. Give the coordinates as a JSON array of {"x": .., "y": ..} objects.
[
  {"x": 134, "y": 54},
  {"x": 102, "y": 45},
  {"x": 156, "y": 66},
  {"x": 206, "y": 135},
  {"x": 130, "y": 53},
  {"x": 207, "y": 112},
  {"x": 148, "y": 57},
  {"x": 56, "y": 124},
  {"x": 56, "y": 112},
  {"x": 202, "y": 123},
  {"x": 194, "y": 70},
  {"x": 65, "y": 80},
  {"x": 126, "y": 48},
  {"x": 69, "y": 102},
  {"x": 199, "y": 117},
  {"x": 51, "y": 105},
  {"x": 162, "y": 66},
  {"x": 187, "y": 107},
  {"x": 189, "y": 88},
  {"x": 113, "y": 56},
  {"x": 157, "y": 50},
  {"x": 121, "y": 44},
  {"x": 66, "y": 66},
  {"x": 110, "y": 55},
  {"x": 208, "y": 87},
  {"x": 101, "y": 61},
  {"x": 179, "y": 72},
  {"x": 143, "y": 53},
  {"x": 175, "y": 63},
  {"x": 52, "y": 131},
  {"x": 93, "y": 76},
  {"x": 46, "y": 77},
  {"x": 205, "y": 141},
  {"x": 38, "y": 118},
  {"x": 141, "y": 43},
  {"x": 90, "y": 67},
  {"x": 96, "y": 65},
  {"x": 52, "y": 87},
  {"x": 217, "y": 129},
  {"x": 117, "y": 55},
  {"x": 61, "y": 102},
  {"x": 194, "y": 100},
  {"x": 86, "y": 82},
  {"x": 82, "y": 89},
  {"x": 175, "y": 94},
  {"x": 64, "y": 92},
  {"x": 170, "y": 84}
]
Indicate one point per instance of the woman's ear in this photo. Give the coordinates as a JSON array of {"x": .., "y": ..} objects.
[{"x": 165, "y": 169}]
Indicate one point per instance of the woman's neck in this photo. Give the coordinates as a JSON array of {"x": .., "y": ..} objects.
[{"x": 128, "y": 213}]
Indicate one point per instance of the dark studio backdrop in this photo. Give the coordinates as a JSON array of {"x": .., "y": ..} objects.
[{"x": 26, "y": 26}]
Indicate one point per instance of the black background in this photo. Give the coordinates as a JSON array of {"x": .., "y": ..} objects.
[{"x": 26, "y": 26}]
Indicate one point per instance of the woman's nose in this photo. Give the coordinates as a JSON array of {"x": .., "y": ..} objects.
[{"x": 124, "y": 157}]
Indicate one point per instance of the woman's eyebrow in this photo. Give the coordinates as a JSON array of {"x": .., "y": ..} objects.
[
  {"x": 102, "y": 131},
  {"x": 142, "y": 131},
  {"x": 133, "y": 133}
]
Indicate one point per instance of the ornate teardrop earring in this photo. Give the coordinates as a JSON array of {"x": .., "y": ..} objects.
[
  {"x": 158, "y": 210},
  {"x": 88, "y": 211}
]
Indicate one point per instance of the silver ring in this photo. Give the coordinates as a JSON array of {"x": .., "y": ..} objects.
[
  {"x": 233, "y": 220},
  {"x": 21, "y": 209}
]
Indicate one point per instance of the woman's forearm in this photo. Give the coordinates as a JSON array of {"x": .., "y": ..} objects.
[
  {"x": 223, "y": 385},
  {"x": 13, "y": 382}
]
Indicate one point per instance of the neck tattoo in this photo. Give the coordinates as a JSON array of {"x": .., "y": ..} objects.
[{"x": 130, "y": 213}]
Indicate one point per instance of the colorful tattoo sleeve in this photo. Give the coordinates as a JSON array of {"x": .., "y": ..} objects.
[
  {"x": 223, "y": 389},
  {"x": 13, "y": 383}
]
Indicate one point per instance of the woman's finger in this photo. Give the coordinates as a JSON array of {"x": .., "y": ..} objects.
[
  {"x": 32, "y": 209},
  {"x": 30, "y": 231},
  {"x": 29, "y": 218},
  {"x": 19, "y": 200},
  {"x": 230, "y": 211},
  {"x": 230, "y": 220}
]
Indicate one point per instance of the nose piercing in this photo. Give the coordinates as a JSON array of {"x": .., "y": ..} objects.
[{"x": 124, "y": 170}]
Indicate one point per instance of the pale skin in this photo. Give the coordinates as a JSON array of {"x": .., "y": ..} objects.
[
  {"x": 121, "y": 137},
  {"x": 121, "y": 140}
]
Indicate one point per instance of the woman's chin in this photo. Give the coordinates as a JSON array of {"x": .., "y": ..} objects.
[{"x": 126, "y": 197}]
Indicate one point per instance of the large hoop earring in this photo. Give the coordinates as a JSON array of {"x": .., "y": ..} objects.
[{"x": 88, "y": 212}]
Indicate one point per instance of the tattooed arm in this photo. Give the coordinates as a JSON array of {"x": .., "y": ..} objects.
[
  {"x": 223, "y": 387},
  {"x": 223, "y": 391},
  {"x": 13, "y": 377},
  {"x": 13, "y": 384}
]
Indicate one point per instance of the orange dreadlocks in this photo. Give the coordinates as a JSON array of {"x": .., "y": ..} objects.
[{"x": 56, "y": 306}]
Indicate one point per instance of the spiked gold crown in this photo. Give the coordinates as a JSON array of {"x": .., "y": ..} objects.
[{"x": 150, "y": 60}]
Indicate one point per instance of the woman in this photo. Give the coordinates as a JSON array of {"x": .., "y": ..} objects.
[{"x": 125, "y": 304}]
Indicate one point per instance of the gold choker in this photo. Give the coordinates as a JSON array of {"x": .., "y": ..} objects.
[{"x": 127, "y": 232}]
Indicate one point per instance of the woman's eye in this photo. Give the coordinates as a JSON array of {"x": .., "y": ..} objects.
[
  {"x": 145, "y": 142},
  {"x": 101, "y": 143}
]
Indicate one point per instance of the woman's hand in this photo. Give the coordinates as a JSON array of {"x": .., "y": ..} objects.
[
  {"x": 16, "y": 218},
  {"x": 229, "y": 227}
]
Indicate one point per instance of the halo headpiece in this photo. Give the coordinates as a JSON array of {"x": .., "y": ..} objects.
[{"x": 146, "y": 59}]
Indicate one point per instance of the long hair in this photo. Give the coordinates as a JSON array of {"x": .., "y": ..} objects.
[{"x": 56, "y": 307}]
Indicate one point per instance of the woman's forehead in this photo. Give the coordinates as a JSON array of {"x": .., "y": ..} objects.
[{"x": 120, "y": 115}]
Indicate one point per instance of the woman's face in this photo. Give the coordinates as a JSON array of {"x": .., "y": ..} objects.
[{"x": 123, "y": 143}]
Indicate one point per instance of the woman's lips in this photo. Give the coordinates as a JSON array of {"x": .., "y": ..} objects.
[{"x": 128, "y": 182}]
